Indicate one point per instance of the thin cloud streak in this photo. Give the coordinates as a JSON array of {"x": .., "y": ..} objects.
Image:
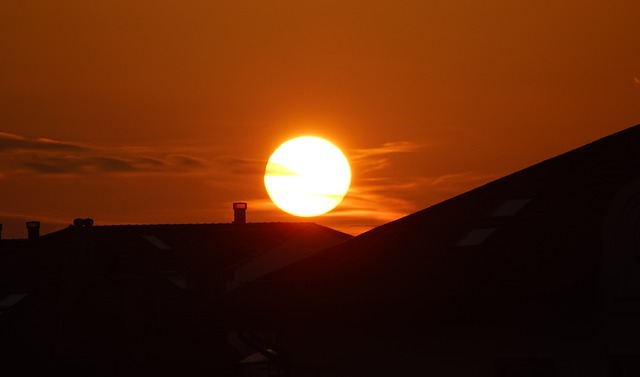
[
  {"x": 275, "y": 169},
  {"x": 49, "y": 157},
  {"x": 241, "y": 165},
  {"x": 456, "y": 183},
  {"x": 367, "y": 160},
  {"x": 12, "y": 142},
  {"x": 378, "y": 200},
  {"x": 387, "y": 148},
  {"x": 376, "y": 196}
]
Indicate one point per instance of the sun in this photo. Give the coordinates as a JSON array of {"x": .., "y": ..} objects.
[{"x": 307, "y": 176}]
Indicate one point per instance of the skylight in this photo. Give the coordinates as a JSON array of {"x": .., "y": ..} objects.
[
  {"x": 476, "y": 237},
  {"x": 12, "y": 299},
  {"x": 177, "y": 279},
  {"x": 510, "y": 207},
  {"x": 157, "y": 242},
  {"x": 254, "y": 358}
]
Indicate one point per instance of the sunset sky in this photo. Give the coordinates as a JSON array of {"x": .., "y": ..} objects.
[{"x": 155, "y": 111}]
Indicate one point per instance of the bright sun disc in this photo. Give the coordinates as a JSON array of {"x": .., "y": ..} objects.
[{"x": 307, "y": 176}]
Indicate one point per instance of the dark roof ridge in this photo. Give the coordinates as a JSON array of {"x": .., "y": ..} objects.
[
  {"x": 622, "y": 135},
  {"x": 189, "y": 224}
]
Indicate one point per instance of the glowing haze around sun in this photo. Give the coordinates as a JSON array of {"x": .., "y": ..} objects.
[{"x": 307, "y": 176}]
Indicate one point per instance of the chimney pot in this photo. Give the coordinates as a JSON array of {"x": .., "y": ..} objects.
[
  {"x": 33, "y": 229},
  {"x": 239, "y": 213}
]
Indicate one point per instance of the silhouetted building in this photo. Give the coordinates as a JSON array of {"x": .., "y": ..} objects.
[
  {"x": 137, "y": 300},
  {"x": 534, "y": 274}
]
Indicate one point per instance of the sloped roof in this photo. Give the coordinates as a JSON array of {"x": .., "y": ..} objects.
[
  {"x": 102, "y": 294},
  {"x": 537, "y": 232},
  {"x": 205, "y": 248}
]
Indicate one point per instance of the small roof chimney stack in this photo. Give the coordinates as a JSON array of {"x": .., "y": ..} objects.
[
  {"x": 33, "y": 229},
  {"x": 239, "y": 213}
]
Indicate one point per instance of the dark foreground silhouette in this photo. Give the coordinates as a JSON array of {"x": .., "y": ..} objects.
[{"x": 534, "y": 274}]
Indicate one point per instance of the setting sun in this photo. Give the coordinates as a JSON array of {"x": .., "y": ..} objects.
[{"x": 307, "y": 176}]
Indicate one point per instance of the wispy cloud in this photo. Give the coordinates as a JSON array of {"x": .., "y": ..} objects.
[
  {"x": 19, "y": 154},
  {"x": 275, "y": 169},
  {"x": 387, "y": 148},
  {"x": 11, "y": 142},
  {"x": 454, "y": 183},
  {"x": 241, "y": 165},
  {"x": 377, "y": 201},
  {"x": 373, "y": 198},
  {"x": 380, "y": 195},
  {"x": 378, "y": 158},
  {"x": 380, "y": 192}
]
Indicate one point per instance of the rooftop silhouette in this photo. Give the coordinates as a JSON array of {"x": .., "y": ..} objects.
[
  {"x": 533, "y": 274},
  {"x": 122, "y": 299},
  {"x": 536, "y": 274}
]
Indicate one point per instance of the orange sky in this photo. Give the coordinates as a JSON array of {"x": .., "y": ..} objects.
[{"x": 166, "y": 112}]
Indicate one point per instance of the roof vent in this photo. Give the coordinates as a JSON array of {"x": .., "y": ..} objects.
[
  {"x": 33, "y": 229},
  {"x": 239, "y": 213}
]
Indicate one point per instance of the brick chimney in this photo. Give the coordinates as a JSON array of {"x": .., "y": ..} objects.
[
  {"x": 239, "y": 213},
  {"x": 33, "y": 229}
]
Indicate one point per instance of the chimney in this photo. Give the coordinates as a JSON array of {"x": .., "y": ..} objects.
[
  {"x": 33, "y": 229},
  {"x": 239, "y": 213},
  {"x": 0, "y": 231}
]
